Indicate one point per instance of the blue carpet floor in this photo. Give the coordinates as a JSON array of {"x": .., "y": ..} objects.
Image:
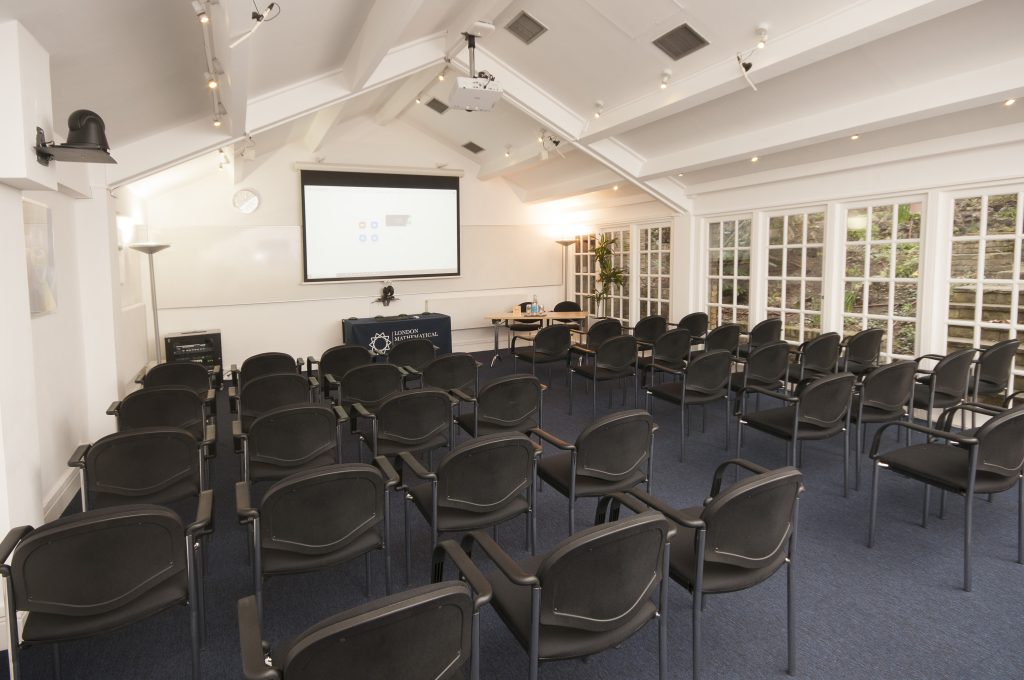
[{"x": 894, "y": 611}]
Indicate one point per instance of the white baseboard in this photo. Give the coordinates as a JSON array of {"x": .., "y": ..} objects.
[{"x": 62, "y": 493}]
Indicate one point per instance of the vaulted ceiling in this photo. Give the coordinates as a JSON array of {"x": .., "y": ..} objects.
[{"x": 905, "y": 76}]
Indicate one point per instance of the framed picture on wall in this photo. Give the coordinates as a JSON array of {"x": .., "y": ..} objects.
[{"x": 42, "y": 271}]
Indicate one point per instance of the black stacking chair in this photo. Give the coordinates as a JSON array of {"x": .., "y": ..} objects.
[
  {"x": 861, "y": 351},
  {"x": 819, "y": 409},
  {"x": 597, "y": 333},
  {"x": 592, "y": 592},
  {"x": 429, "y": 633},
  {"x": 266, "y": 363},
  {"x": 726, "y": 336},
  {"x": 288, "y": 439},
  {"x": 319, "y": 518},
  {"x": 156, "y": 465},
  {"x": 550, "y": 344},
  {"x": 522, "y": 325},
  {"x": 814, "y": 358},
  {"x": 459, "y": 371},
  {"x": 992, "y": 369},
  {"x": 989, "y": 460},
  {"x": 613, "y": 453},
  {"x": 335, "y": 363},
  {"x": 166, "y": 406},
  {"x": 945, "y": 385},
  {"x": 481, "y": 483},
  {"x": 737, "y": 539},
  {"x": 649, "y": 329},
  {"x": 568, "y": 306},
  {"x": 704, "y": 380},
  {"x": 412, "y": 354},
  {"x": 614, "y": 359},
  {"x": 762, "y": 333},
  {"x": 669, "y": 354},
  {"x": 883, "y": 395},
  {"x": 369, "y": 385},
  {"x": 268, "y": 392},
  {"x": 416, "y": 421},
  {"x": 765, "y": 367},
  {"x": 512, "y": 403},
  {"x": 188, "y": 374},
  {"x": 697, "y": 324},
  {"x": 97, "y": 571}
]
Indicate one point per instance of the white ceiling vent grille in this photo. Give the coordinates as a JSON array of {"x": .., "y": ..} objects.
[
  {"x": 472, "y": 147},
  {"x": 680, "y": 41},
  {"x": 525, "y": 27},
  {"x": 437, "y": 105}
]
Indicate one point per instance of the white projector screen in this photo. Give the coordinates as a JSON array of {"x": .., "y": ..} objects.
[{"x": 363, "y": 225}]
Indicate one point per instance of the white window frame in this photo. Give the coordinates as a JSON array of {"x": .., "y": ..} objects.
[{"x": 784, "y": 277}]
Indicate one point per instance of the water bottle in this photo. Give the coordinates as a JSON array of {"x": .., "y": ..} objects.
[{"x": 535, "y": 308}]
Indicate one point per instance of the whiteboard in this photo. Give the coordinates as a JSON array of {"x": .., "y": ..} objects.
[{"x": 237, "y": 265}]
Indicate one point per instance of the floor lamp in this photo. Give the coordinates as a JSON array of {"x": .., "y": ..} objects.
[
  {"x": 151, "y": 249},
  {"x": 565, "y": 243}
]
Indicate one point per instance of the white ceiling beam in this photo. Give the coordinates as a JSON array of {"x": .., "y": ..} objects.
[
  {"x": 944, "y": 95},
  {"x": 573, "y": 185},
  {"x": 234, "y": 84},
  {"x": 386, "y": 21},
  {"x": 166, "y": 149},
  {"x": 521, "y": 158},
  {"x": 856, "y": 25},
  {"x": 404, "y": 96},
  {"x": 320, "y": 124}
]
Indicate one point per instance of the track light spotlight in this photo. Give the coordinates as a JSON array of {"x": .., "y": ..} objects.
[
  {"x": 762, "y": 37},
  {"x": 1009, "y": 102},
  {"x": 508, "y": 151},
  {"x": 598, "y": 108},
  {"x": 217, "y": 121},
  {"x": 419, "y": 99},
  {"x": 200, "y": 10},
  {"x": 211, "y": 81},
  {"x": 665, "y": 76},
  {"x": 440, "y": 76}
]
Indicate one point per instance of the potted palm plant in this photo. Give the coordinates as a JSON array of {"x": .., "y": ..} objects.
[{"x": 608, "y": 274}]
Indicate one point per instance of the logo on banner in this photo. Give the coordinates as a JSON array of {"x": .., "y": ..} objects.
[{"x": 380, "y": 343}]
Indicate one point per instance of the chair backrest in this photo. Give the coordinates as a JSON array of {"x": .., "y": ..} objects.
[
  {"x": 749, "y": 523},
  {"x": 650, "y": 328},
  {"x": 994, "y": 362},
  {"x": 1000, "y": 448},
  {"x": 864, "y": 347},
  {"x": 616, "y": 353},
  {"x": 415, "y": 416},
  {"x": 952, "y": 371},
  {"x": 511, "y": 402},
  {"x": 673, "y": 347},
  {"x": 183, "y": 373},
  {"x": 601, "y": 330},
  {"x": 567, "y": 306},
  {"x": 293, "y": 437},
  {"x": 768, "y": 363},
  {"x": 93, "y": 563},
  {"x": 267, "y": 392},
  {"x": 415, "y": 352},
  {"x": 825, "y": 401},
  {"x": 339, "y": 360},
  {"x": 452, "y": 371},
  {"x": 726, "y": 336},
  {"x": 599, "y": 578},
  {"x": 169, "y": 406},
  {"x": 696, "y": 323},
  {"x": 370, "y": 384},
  {"x": 821, "y": 353},
  {"x": 264, "y": 364},
  {"x": 148, "y": 465},
  {"x": 709, "y": 372},
  {"x": 552, "y": 340},
  {"x": 486, "y": 473},
  {"x": 322, "y": 510},
  {"x": 419, "y": 634},
  {"x": 888, "y": 387},
  {"x": 614, "y": 446},
  {"x": 765, "y": 331}
]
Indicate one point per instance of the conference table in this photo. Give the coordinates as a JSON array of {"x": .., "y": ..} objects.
[{"x": 498, "y": 319}]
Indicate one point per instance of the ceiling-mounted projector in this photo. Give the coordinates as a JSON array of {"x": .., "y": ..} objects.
[{"x": 474, "y": 94}]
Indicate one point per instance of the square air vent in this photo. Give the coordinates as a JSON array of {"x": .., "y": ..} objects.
[
  {"x": 437, "y": 105},
  {"x": 472, "y": 147},
  {"x": 525, "y": 27},
  {"x": 680, "y": 41}
]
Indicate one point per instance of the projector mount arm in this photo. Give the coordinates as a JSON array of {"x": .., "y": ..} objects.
[{"x": 471, "y": 44}]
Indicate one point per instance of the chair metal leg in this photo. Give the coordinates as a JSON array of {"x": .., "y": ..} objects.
[
  {"x": 874, "y": 504},
  {"x": 942, "y": 504},
  {"x": 570, "y": 392},
  {"x": 924, "y": 507},
  {"x": 968, "y": 519},
  {"x": 846, "y": 462},
  {"x": 663, "y": 619},
  {"x": 790, "y": 618},
  {"x": 56, "y": 660},
  {"x": 1020, "y": 521},
  {"x": 682, "y": 429},
  {"x": 474, "y": 660},
  {"x": 535, "y": 633}
]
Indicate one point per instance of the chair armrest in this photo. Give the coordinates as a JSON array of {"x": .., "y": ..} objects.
[
  {"x": 339, "y": 412},
  {"x": 361, "y": 411},
  {"x": 211, "y": 395},
  {"x": 77, "y": 458},
  {"x": 236, "y": 429},
  {"x": 209, "y": 434},
  {"x": 481, "y": 586},
  {"x": 934, "y": 357},
  {"x": 461, "y": 396},
  {"x": 930, "y": 431},
  {"x": 552, "y": 439},
  {"x": 945, "y": 420},
  {"x": 114, "y": 406},
  {"x": 253, "y": 653},
  {"x": 1011, "y": 397},
  {"x": 500, "y": 558},
  {"x": 298, "y": 364},
  {"x": 141, "y": 375},
  {"x": 234, "y": 372},
  {"x": 204, "y": 515},
  {"x": 664, "y": 508},
  {"x": 11, "y": 540},
  {"x": 393, "y": 478},
  {"x": 233, "y": 393},
  {"x": 766, "y": 391},
  {"x": 417, "y": 468},
  {"x": 413, "y": 373},
  {"x": 313, "y": 383},
  {"x": 310, "y": 361},
  {"x": 330, "y": 380},
  {"x": 716, "y": 484},
  {"x": 666, "y": 369},
  {"x": 581, "y": 349},
  {"x": 243, "y": 502}
]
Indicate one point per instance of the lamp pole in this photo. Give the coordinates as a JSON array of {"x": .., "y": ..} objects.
[
  {"x": 565, "y": 243},
  {"x": 151, "y": 249}
]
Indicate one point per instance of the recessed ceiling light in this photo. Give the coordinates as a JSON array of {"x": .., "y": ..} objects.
[
  {"x": 754, "y": 159},
  {"x": 679, "y": 174},
  {"x": 1009, "y": 102},
  {"x": 211, "y": 82},
  {"x": 615, "y": 187},
  {"x": 854, "y": 137}
]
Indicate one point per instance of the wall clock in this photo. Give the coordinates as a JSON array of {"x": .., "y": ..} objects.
[{"x": 246, "y": 201}]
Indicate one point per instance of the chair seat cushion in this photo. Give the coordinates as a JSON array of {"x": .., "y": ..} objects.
[
  {"x": 456, "y": 519},
  {"x": 779, "y": 422},
  {"x": 673, "y": 392},
  {"x": 944, "y": 465},
  {"x": 854, "y": 366},
  {"x": 555, "y": 470},
  {"x": 465, "y": 421},
  {"x": 922, "y": 392},
  {"x": 41, "y": 627},
  {"x": 262, "y": 471},
  {"x": 736, "y": 382},
  {"x": 718, "y": 578},
  {"x": 285, "y": 562},
  {"x": 872, "y": 414},
  {"x": 512, "y": 603},
  {"x": 589, "y": 371},
  {"x": 645, "y": 363},
  {"x": 528, "y": 353},
  {"x": 387, "y": 447}
]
